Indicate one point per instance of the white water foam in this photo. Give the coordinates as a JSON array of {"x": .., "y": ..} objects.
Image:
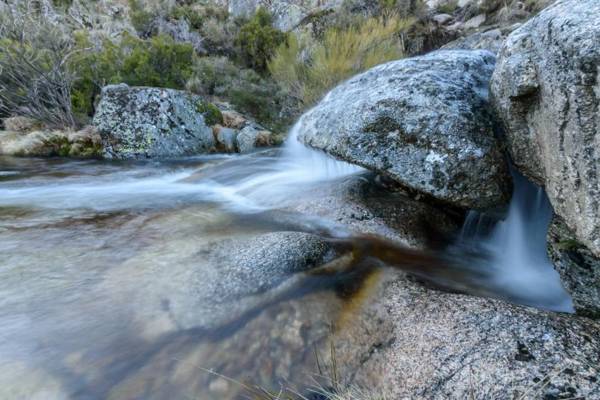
[
  {"x": 245, "y": 183},
  {"x": 297, "y": 169}
]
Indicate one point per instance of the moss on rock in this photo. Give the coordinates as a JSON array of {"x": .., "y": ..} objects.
[{"x": 212, "y": 114}]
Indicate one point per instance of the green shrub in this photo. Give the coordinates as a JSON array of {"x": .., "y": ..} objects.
[
  {"x": 197, "y": 15},
  {"x": 245, "y": 89},
  {"x": 306, "y": 69},
  {"x": 159, "y": 61},
  {"x": 212, "y": 114},
  {"x": 257, "y": 40},
  {"x": 219, "y": 36},
  {"x": 447, "y": 7},
  {"x": 406, "y": 8},
  {"x": 190, "y": 14},
  {"x": 141, "y": 18},
  {"x": 64, "y": 4}
]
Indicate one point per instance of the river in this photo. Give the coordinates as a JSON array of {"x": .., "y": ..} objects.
[{"x": 116, "y": 283}]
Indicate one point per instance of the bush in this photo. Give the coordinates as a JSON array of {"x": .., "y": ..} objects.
[
  {"x": 141, "y": 18},
  {"x": 245, "y": 89},
  {"x": 447, "y": 7},
  {"x": 212, "y": 114},
  {"x": 306, "y": 69},
  {"x": 188, "y": 13},
  {"x": 257, "y": 40},
  {"x": 158, "y": 61},
  {"x": 197, "y": 15},
  {"x": 34, "y": 79},
  {"x": 219, "y": 36},
  {"x": 404, "y": 8},
  {"x": 64, "y": 4}
]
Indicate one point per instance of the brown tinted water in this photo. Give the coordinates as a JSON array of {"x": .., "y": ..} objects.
[{"x": 103, "y": 288}]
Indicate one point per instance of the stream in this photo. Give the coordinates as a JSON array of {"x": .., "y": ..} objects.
[{"x": 110, "y": 289}]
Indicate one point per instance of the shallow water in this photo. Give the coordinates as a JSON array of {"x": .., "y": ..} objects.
[
  {"x": 109, "y": 287},
  {"x": 106, "y": 292}
]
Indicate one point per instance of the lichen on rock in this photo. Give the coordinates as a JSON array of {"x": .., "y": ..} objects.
[
  {"x": 425, "y": 122},
  {"x": 138, "y": 122}
]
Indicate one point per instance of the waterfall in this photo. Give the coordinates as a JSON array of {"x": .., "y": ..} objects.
[{"x": 515, "y": 247}]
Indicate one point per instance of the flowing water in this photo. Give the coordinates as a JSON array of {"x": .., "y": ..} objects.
[{"x": 113, "y": 284}]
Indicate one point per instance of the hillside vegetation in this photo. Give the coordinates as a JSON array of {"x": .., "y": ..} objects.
[{"x": 56, "y": 56}]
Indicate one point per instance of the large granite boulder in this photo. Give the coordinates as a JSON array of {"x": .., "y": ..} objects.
[
  {"x": 578, "y": 268},
  {"x": 137, "y": 122},
  {"x": 407, "y": 341},
  {"x": 547, "y": 91},
  {"x": 400, "y": 339},
  {"x": 424, "y": 122}
]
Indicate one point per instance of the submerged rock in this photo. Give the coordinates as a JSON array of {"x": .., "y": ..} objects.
[
  {"x": 257, "y": 264},
  {"x": 425, "y": 122},
  {"x": 547, "y": 90},
  {"x": 152, "y": 122},
  {"x": 220, "y": 280}
]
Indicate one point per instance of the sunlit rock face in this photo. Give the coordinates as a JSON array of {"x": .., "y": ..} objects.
[
  {"x": 425, "y": 122},
  {"x": 547, "y": 91}
]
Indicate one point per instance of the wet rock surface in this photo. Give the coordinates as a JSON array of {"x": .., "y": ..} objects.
[
  {"x": 425, "y": 122},
  {"x": 416, "y": 342},
  {"x": 578, "y": 267},
  {"x": 545, "y": 88},
  {"x": 138, "y": 122},
  {"x": 224, "y": 279},
  {"x": 196, "y": 289},
  {"x": 400, "y": 338}
]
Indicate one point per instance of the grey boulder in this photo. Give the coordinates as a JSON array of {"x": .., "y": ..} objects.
[
  {"x": 287, "y": 14},
  {"x": 410, "y": 342},
  {"x": 138, "y": 122},
  {"x": 491, "y": 40},
  {"x": 547, "y": 91},
  {"x": 425, "y": 122}
]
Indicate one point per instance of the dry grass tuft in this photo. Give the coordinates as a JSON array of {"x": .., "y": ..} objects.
[{"x": 306, "y": 68}]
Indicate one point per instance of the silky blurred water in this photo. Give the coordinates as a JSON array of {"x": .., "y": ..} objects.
[{"x": 105, "y": 271}]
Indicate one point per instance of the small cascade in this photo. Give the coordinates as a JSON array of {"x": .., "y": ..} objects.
[
  {"x": 246, "y": 183},
  {"x": 515, "y": 249},
  {"x": 271, "y": 181}
]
